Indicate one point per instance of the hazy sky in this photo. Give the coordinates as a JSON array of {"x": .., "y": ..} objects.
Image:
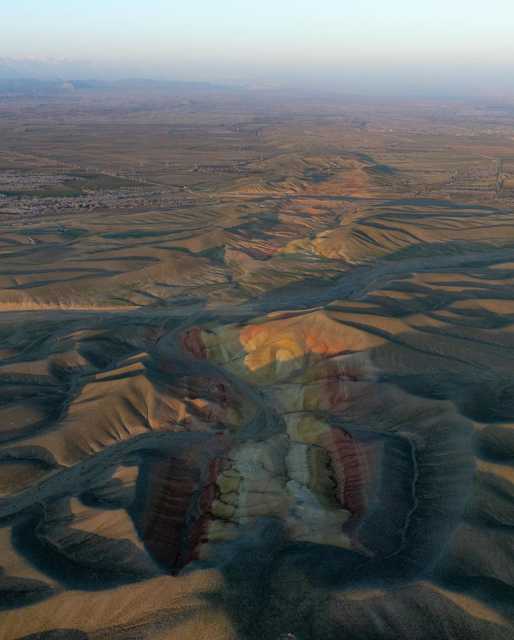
[{"x": 421, "y": 41}]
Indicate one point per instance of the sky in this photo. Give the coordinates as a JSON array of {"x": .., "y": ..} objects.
[{"x": 358, "y": 43}]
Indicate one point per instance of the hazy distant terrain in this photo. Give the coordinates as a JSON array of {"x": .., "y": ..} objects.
[{"x": 256, "y": 365}]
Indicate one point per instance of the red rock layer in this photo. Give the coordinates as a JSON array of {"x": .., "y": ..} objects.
[
  {"x": 176, "y": 513},
  {"x": 193, "y": 343},
  {"x": 171, "y": 487},
  {"x": 353, "y": 464}
]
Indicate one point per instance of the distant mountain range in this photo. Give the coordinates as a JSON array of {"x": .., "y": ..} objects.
[
  {"x": 33, "y": 86},
  {"x": 41, "y": 76},
  {"x": 44, "y": 69}
]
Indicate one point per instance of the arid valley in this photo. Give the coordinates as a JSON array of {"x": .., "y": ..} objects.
[{"x": 256, "y": 366}]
